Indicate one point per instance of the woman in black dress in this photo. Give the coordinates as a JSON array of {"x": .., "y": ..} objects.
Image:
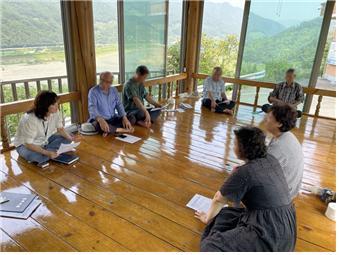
[{"x": 267, "y": 220}]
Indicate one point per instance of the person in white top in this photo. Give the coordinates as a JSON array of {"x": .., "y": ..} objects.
[
  {"x": 214, "y": 97},
  {"x": 284, "y": 146},
  {"x": 40, "y": 131}
]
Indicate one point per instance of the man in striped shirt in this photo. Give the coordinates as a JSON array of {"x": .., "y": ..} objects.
[{"x": 288, "y": 92}]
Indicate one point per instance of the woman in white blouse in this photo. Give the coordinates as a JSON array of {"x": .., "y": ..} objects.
[{"x": 41, "y": 131}]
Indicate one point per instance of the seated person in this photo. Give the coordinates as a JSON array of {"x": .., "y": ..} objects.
[
  {"x": 285, "y": 146},
  {"x": 289, "y": 92},
  {"x": 214, "y": 97},
  {"x": 103, "y": 101},
  {"x": 133, "y": 97},
  {"x": 268, "y": 221},
  {"x": 36, "y": 139}
]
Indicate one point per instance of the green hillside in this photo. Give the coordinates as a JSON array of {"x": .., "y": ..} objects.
[
  {"x": 22, "y": 27},
  {"x": 293, "y": 47}
]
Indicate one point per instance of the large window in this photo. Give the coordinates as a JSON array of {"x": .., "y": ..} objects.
[
  {"x": 31, "y": 40},
  {"x": 280, "y": 35},
  {"x": 174, "y": 35},
  {"x": 144, "y": 36},
  {"x": 327, "y": 74},
  {"x": 221, "y": 29},
  {"x": 32, "y": 53},
  {"x": 106, "y": 36},
  {"x": 220, "y": 35}
]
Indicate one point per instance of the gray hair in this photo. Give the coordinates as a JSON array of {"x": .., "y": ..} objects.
[{"x": 105, "y": 74}]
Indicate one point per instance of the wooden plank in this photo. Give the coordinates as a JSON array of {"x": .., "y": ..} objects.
[
  {"x": 96, "y": 216},
  {"x": 185, "y": 154},
  {"x": 159, "y": 226},
  {"x": 8, "y": 244},
  {"x": 304, "y": 246},
  {"x": 28, "y": 234},
  {"x": 66, "y": 227}
]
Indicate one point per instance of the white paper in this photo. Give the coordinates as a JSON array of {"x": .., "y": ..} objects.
[
  {"x": 67, "y": 147},
  {"x": 170, "y": 110},
  {"x": 185, "y": 106},
  {"x": 159, "y": 108},
  {"x": 129, "y": 138},
  {"x": 199, "y": 203}
]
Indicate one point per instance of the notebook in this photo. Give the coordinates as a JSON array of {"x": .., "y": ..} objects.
[
  {"x": 16, "y": 202},
  {"x": 66, "y": 158},
  {"x": 23, "y": 215},
  {"x": 128, "y": 138}
]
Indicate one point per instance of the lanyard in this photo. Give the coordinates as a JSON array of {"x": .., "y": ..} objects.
[{"x": 45, "y": 129}]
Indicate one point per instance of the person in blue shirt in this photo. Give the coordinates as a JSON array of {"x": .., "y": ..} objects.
[{"x": 106, "y": 111}]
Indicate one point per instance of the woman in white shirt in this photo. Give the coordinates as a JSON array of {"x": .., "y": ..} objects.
[{"x": 36, "y": 139}]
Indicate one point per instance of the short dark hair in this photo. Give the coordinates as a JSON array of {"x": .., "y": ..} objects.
[
  {"x": 142, "y": 70},
  {"x": 42, "y": 102},
  {"x": 251, "y": 141},
  {"x": 286, "y": 115},
  {"x": 290, "y": 70}
]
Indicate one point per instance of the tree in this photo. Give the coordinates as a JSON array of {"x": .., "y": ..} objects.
[{"x": 214, "y": 52}]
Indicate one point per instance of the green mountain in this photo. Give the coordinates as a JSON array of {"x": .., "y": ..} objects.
[
  {"x": 30, "y": 23},
  {"x": 294, "y": 46},
  {"x": 37, "y": 23}
]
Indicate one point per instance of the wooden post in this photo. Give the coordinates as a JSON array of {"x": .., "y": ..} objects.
[
  {"x": 169, "y": 85},
  {"x": 177, "y": 89},
  {"x": 192, "y": 41},
  {"x": 4, "y": 134},
  {"x": 82, "y": 50},
  {"x": 159, "y": 92},
  {"x": 239, "y": 94},
  {"x": 256, "y": 98},
  {"x": 317, "y": 110}
]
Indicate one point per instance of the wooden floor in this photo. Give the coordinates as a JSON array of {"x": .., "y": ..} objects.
[{"x": 123, "y": 197}]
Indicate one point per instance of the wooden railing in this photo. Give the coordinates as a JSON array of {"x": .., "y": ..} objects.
[
  {"x": 167, "y": 87},
  {"x": 258, "y": 85}
]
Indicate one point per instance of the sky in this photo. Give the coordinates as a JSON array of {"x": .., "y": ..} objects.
[{"x": 286, "y": 12}]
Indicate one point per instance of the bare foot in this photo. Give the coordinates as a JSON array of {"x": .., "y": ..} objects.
[
  {"x": 143, "y": 124},
  {"x": 228, "y": 111},
  {"x": 212, "y": 109},
  {"x": 104, "y": 134}
]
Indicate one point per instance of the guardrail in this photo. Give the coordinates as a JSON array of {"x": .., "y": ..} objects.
[
  {"x": 258, "y": 85},
  {"x": 167, "y": 87}
]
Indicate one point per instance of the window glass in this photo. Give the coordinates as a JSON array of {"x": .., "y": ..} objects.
[{"x": 144, "y": 36}]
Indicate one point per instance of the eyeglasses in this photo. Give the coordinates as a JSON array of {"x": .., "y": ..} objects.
[{"x": 107, "y": 81}]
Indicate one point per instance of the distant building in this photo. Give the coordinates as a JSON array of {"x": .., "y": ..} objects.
[{"x": 330, "y": 66}]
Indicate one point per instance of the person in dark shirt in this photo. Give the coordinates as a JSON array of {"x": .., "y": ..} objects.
[
  {"x": 288, "y": 92},
  {"x": 267, "y": 222},
  {"x": 134, "y": 93}
]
